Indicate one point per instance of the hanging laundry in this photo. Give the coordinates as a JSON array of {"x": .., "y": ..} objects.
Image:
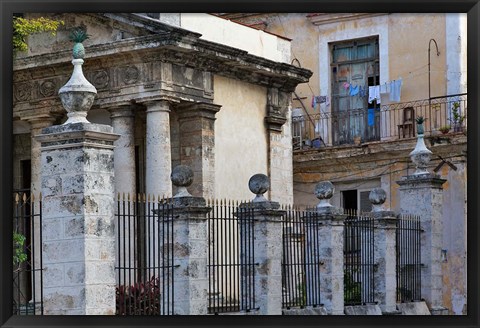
[
  {"x": 346, "y": 85},
  {"x": 371, "y": 116},
  {"x": 314, "y": 102},
  {"x": 362, "y": 91},
  {"x": 396, "y": 90},
  {"x": 321, "y": 99},
  {"x": 385, "y": 88},
  {"x": 374, "y": 94},
  {"x": 327, "y": 101},
  {"x": 354, "y": 90}
]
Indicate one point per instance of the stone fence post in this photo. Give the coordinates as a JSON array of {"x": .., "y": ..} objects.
[
  {"x": 330, "y": 236},
  {"x": 190, "y": 247},
  {"x": 78, "y": 207},
  {"x": 267, "y": 234},
  {"x": 422, "y": 194},
  {"x": 385, "y": 287}
]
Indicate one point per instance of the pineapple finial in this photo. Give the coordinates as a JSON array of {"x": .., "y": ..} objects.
[{"x": 78, "y": 35}]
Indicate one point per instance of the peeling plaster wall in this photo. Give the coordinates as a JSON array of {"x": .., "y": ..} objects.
[
  {"x": 240, "y": 137},
  {"x": 454, "y": 238},
  {"x": 408, "y": 39}
]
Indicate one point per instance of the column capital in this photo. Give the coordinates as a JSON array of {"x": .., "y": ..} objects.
[
  {"x": 161, "y": 104},
  {"x": 40, "y": 121},
  {"x": 200, "y": 109},
  {"x": 125, "y": 110}
]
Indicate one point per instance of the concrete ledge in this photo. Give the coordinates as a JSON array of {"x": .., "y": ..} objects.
[
  {"x": 369, "y": 309},
  {"x": 320, "y": 310},
  {"x": 413, "y": 308}
]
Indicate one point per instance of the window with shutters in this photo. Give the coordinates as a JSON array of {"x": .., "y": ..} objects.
[{"x": 354, "y": 67}]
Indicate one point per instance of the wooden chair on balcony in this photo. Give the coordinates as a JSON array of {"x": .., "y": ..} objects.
[{"x": 407, "y": 128}]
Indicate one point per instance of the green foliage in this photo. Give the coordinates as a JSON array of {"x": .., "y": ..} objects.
[
  {"x": 78, "y": 35},
  {"x": 456, "y": 117},
  {"x": 19, "y": 255},
  {"x": 23, "y": 27},
  {"x": 420, "y": 119}
]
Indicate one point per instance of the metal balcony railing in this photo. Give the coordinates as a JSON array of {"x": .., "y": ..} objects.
[{"x": 388, "y": 122}]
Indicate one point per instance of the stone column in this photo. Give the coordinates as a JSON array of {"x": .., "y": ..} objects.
[
  {"x": 158, "y": 149},
  {"x": 330, "y": 236},
  {"x": 384, "y": 252},
  {"x": 422, "y": 195},
  {"x": 78, "y": 219},
  {"x": 189, "y": 246},
  {"x": 123, "y": 123},
  {"x": 267, "y": 255},
  {"x": 197, "y": 145}
]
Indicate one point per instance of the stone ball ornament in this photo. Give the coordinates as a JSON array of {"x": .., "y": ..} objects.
[
  {"x": 377, "y": 197},
  {"x": 259, "y": 184},
  {"x": 324, "y": 191},
  {"x": 182, "y": 177}
]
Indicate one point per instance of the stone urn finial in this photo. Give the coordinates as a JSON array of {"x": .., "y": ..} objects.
[
  {"x": 259, "y": 184},
  {"x": 324, "y": 191},
  {"x": 182, "y": 177},
  {"x": 420, "y": 156},
  {"x": 377, "y": 197},
  {"x": 77, "y": 94}
]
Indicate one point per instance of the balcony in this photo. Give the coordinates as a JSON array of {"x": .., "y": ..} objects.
[{"x": 385, "y": 123}]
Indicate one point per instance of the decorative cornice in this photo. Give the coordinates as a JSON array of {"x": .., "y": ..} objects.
[
  {"x": 183, "y": 47},
  {"x": 327, "y": 18}
]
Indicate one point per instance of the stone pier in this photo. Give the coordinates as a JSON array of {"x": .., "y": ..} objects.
[
  {"x": 189, "y": 246},
  {"x": 78, "y": 205},
  {"x": 330, "y": 234},
  {"x": 267, "y": 232},
  {"x": 78, "y": 219},
  {"x": 384, "y": 252},
  {"x": 422, "y": 195}
]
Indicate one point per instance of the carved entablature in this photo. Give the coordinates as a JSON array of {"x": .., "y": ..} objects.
[
  {"x": 116, "y": 84},
  {"x": 170, "y": 62}
]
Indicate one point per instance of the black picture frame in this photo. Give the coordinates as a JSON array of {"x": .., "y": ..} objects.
[{"x": 8, "y": 7}]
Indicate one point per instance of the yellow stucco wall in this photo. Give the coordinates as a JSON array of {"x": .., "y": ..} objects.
[
  {"x": 409, "y": 36},
  {"x": 240, "y": 137}
]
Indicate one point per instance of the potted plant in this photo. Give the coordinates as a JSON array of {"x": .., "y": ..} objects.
[
  {"x": 457, "y": 118},
  {"x": 420, "y": 120},
  {"x": 444, "y": 129}
]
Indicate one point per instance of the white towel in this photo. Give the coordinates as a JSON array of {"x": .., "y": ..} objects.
[{"x": 396, "y": 90}]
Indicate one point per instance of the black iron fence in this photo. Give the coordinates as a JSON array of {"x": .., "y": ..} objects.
[
  {"x": 388, "y": 122},
  {"x": 301, "y": 262},
  {"x": 144, "y": 270},
  {"x": 231, "y": 267},
  {"x": 409, "y": 265},
  {"x": 359, "y": 265},
  {"x": 27, "y": 254}
]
